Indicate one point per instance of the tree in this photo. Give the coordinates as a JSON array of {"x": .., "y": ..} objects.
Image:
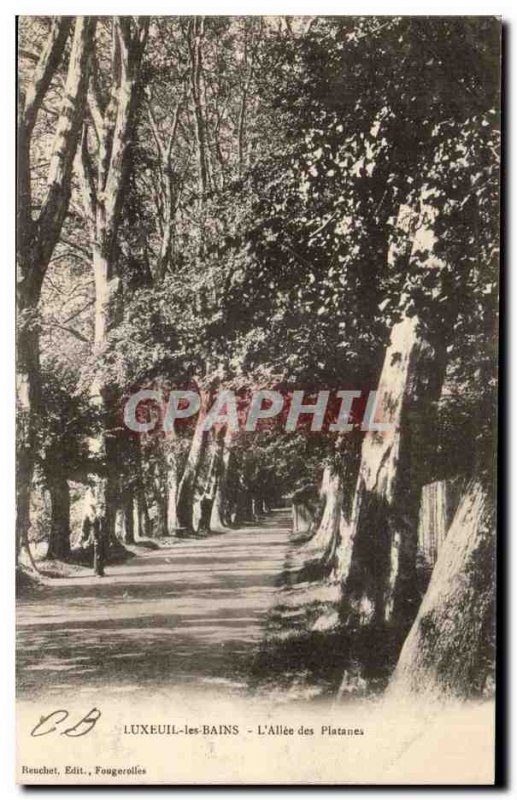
[
  {"x": 377, "y": 564},
  {"x": 103, "y": 187},
  {"x": 449, "y": 651},
  {"x": 272, "y": 203},
  {"x": 38, "y": 235},
  {"x": 64, "y": 420}
]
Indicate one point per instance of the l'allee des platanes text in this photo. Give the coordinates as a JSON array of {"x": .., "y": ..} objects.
[{"x": 171, "y": 729}]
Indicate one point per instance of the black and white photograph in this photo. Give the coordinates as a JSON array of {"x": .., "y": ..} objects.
[{"x": 257, "y": 368}]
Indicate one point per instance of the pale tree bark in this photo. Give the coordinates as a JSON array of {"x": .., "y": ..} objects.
[
  {"x": 165, "y": 486},
  {"x": 187, "y": 486},
  {"x": 104, "y": 185},
  {"x": 316, "y": 558},
  {"x": 167, "y": 200},
  {"x": 37, "y": 237},
  {"x": 104, "y": 182},
  {"x": 376, "y": 555},
  {"x": 169, "y": 190},
  {"x": 449, "y": 651},
  {"x": 219, "y": 518},
  {"x": 195, "y": 32},
  {"x": 188, "y": 482},
  {"x": 195, "y": 36},
  {"x": 207, "y": 480},
  {"x": 30, "y": 103},
  {"x": 160, "y": 499},
  {"x": 331, "y": 496},
  {"x": 124, "y": 515},
  {"x": 172, "y": 490},
  {"x": 375, "y": 560}
]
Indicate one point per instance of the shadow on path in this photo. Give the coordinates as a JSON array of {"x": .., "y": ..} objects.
[{"x": 192, "y": 613}]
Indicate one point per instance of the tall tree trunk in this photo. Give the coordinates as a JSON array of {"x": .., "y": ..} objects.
[
  {"x": 161, "y": 519},
  {"x": 37, "y": 238},
  {"x": 59, "y": 540},
  {"x": 317, "y": 557},
  {"x": 187, "y": 486},
  {"x": 167, "y": 205},
  {"x": 27, "y": 400},
  {"x": 172, "y": 491},
  {"x": 449, "y": 650},
  {"x": 376, "y": 555},
  {"x": 331, "y": 494},
  {"x": 107, "y": 309},
  {"x": 195, "y": 44},
  {"x": 129, "y": 527},
  {"x": 208, "y": 478},
  {"x": 103, "y": 192},
  {"x": 248, "y": 66},
  {"x": 219, "y": 519},
  {"x": 142, "y": 523}
]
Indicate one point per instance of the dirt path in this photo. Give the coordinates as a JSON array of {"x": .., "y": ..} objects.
[{"x": 191, "y": 613}]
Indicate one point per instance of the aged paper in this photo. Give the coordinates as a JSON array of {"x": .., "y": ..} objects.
[{"x": 257, "y": 314}]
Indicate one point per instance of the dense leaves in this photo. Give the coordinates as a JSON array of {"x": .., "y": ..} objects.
[{"x": 294, "y": 187}]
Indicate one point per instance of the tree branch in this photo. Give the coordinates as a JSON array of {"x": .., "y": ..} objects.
[
  {"x": 44, "y": 71},
  {"x": 87, "y": 182},
  {"x": 67, "y": 135}
]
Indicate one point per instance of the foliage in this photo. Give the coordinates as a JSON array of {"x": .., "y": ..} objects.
[{"x": 351, "y": 175}]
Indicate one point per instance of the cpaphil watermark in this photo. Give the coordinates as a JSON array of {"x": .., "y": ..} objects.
[{"x": 153, "y": 410}]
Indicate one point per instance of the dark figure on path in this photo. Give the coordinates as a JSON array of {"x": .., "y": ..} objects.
[{"x": 92, "y": 532}]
